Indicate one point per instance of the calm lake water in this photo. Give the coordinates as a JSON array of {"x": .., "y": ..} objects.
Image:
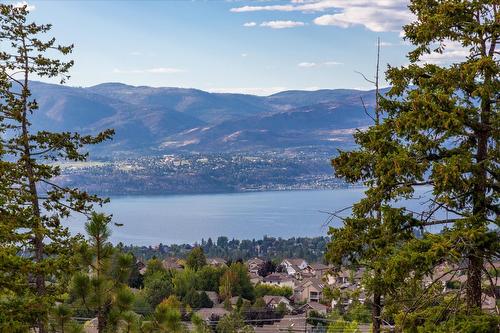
[{"x": 150, "y": 220}]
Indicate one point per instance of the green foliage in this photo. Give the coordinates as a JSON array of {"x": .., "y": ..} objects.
[
  {"x": 438, "y": 126},
  {"x": 60, "y": 320},
  {"x": 478, "y": 323},
  {"x": 342, "y": 326},
  {"x": 136, "y": 280},
  {"x": 167, "y": 317},
  {"x": 196, "y": 259},
  {"x": 265, "y": 289},
  {"x": 315, "y": 318},
  {"x": 270, "y": 248},
  {"x": 197, "y": 299},
  {"x": 209, "y": 278},
  {"x": 236, "y": 282},
  {"x": 36, "y": 247},
  {"x": 101, "y": 286},
  {"x": 158, "y": 285},
  {"x": 185, "y": 281},
  {"x": 358, "y": 312},
  {"x": 233, "y": 323},
  {"x": 259, "y": 304},
  {"x": 199, "y": 325},
  {"x": 281, "y": 309}
]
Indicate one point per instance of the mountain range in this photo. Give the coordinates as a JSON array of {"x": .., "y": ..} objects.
[{"x": 151, "y": 120}]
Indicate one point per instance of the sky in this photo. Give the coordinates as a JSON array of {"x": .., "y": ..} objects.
[{"x": 255, "y": 47}]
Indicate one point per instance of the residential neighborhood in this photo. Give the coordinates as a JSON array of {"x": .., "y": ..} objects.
[{"x": 280, "y": 296}]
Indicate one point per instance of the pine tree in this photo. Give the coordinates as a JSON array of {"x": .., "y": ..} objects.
[
  {"x": 35, "y": 247},
  {"x": 367, "y": 238},
  {"x": 447, "y": 117},
  {"x": 439, "y": 128},
  {"x": 196, "y": 258},
  {"x": 101, "y": 286}
]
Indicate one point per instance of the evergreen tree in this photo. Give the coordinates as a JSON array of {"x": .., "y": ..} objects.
[
  {"x": 368, "y": 237},
  {"x": 35, "y": 246},
  {"x": 101, "y": 286},
  {"x": 447, "y": 117},
  {"x": 439, "y": 128},
  {"x": 196, "y": 259}
]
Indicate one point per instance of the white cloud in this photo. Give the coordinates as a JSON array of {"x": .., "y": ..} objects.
[
  {"x": 249, "y": 24},
  {"x": 385, "y": 44},
  {"x": 332, "y": 63},
  {"x": 372, "y": 18},
  {"x": 286, "y": 8},
  {"x": 136, "y": 53},
  {"x": 452, "y": 52},
  {"x": 244, "y": 55},
  {"x": 261, "y": 91},
  {"x": 282, "y": 24},
  {"x": 157, "y": 70},
  {"x": 375, "y": 15},
  {"x": 306, "y": 64},
  {"x": 24, "y": 3}
]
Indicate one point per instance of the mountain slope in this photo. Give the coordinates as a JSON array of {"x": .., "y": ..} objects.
[{"x": 158, "y": 120}]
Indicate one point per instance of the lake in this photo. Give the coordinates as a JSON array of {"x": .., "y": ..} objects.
[{"x": 150, "y": 220}]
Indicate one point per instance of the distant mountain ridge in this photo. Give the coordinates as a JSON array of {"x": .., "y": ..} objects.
[{"x": 151, "y": 120}]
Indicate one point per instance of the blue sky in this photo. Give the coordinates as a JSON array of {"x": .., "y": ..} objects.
[{"x": 252, "y": 47}]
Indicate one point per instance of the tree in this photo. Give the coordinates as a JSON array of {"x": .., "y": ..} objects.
[
  {"x": 166, "y": 318},
  {"x": 196, "y": 259},
  {"x": 101, "y": 286},
  {"x": 268, "y": 268},
  {"x": 200, "y": 326},
  {"x": 448, "y": 117},
  {"x": 233, "y": 323},
  {"x": 184, "y": 281},
  {"x": 342, "y": 326},
  {"x": 196, "y": 299},
  {"x": 265, "y": 289},
  {"x": 136, "y": 279},
  {"x": 236, "y": 282},
  {"x": 158, "y": 283},
  {"x": 32, "y": 204},
  {"x": 440, "y": 128},
  {"x": 368, "y": 237},
  {"x": 61, "y": 320},
  {"x": 209, "y": 278}
]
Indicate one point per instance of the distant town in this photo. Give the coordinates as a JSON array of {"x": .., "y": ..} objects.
[{"x": 204, "y": 173}]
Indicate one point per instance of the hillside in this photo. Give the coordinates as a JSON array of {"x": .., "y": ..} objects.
[{"x": 162, "y": 120}]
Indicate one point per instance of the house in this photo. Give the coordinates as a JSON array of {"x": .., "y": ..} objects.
[
  {"x": 171, "y": 263},
  {"x": 272, "y": 302},
  {"x": 279, "y": 280},
  {"x": 341, "y": 277},
  {"x": 317, "y": 270},
  {"x": 289, "y": 323},
  {"x": 315, "y": 306},
  {"x": 216, "y": 262},
  {"x": 310, "y": 290},
  {"x": 293, "y": 266},
  {"x": 254, "y": 265},
  {"x": 213, "y": 296},
  {"x": 255, "y": 278},
  {"x": 234, "y": 300},
  {"x": 208, "y": 313}
]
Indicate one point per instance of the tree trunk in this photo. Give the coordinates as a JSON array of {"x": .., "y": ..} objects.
[
  {"x": 38, "y": 225},
  {"x": 376, "y": 311},
  {"x": 473, "y": 286},
  {"x": 101, "y": 322}
]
